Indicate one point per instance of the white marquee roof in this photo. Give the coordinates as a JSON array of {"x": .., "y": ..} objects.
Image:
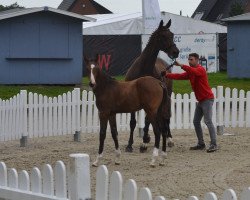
[{"x": 131, "y": 24}]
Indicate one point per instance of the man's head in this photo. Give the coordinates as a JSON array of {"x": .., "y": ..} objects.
[{"x": 193, "y": 59}]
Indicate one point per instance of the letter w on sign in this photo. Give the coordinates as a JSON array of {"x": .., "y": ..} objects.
[{"x": 104, "y": 61}]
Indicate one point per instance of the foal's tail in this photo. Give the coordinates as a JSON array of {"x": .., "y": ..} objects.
[{"x": 164, "y": 111}]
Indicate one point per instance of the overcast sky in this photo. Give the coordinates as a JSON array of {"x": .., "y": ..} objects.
[{"x": 119, "y": 6}]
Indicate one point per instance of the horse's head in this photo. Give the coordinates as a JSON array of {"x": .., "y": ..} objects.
[
  {"x": 93, "y": 70},
  {"x": 95, "y": 74},
  {"x": 165, "y": 40}
]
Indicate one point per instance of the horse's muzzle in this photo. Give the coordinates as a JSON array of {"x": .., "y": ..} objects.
[
  {"x": 172, "y": 52},
  {"x": 91, "y": 84}
]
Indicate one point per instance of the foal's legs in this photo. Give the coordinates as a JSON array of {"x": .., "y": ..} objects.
[
  {"x": 129, "y": 147},
  {"x": 146, "y": 137},
  {"x": 112, "y": 122},
  {"x": 103, "y": 127}
]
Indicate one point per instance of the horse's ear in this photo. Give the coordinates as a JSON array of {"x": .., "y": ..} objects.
[
  {"x": 85, "y": 59},
  {"x": 161, "y": 24},
  {"x": 96, "y": 58},
  {"x": 168, "y": 24}
]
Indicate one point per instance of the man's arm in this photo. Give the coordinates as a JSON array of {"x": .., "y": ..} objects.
[
  {"x": 182, "y": 76},
  {"x": 192, "y": 70}
]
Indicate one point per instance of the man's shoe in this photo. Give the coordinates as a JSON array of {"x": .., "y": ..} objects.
[
  {"x": 212, "y": 148},
  {"x": 198, "y": 147}
]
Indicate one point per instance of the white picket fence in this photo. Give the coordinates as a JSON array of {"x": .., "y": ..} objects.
[
  {"x": 74, "y": 184},
  {"x": 35, "y": 115},
  {"x": 231, "y": 109}
]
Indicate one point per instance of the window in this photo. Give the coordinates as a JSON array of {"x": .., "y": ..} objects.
[
  {"x": 198, "y": 15},
  {"x": 220, "y": 16}
]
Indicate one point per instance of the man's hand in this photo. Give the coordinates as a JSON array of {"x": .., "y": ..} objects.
[
  {"x": 178, "y": 64},
  {"x": 163, "y": 73}
]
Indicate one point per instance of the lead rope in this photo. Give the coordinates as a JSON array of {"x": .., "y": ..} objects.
[
  {"x": 174, "y": 59},
  {"x": 163, "y": 79}
]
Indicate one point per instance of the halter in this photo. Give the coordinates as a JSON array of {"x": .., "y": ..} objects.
[
  {"x": 163, "y": 83},
  {"x": 172, "y": 64},
  {"x": 171, "y": 45}
]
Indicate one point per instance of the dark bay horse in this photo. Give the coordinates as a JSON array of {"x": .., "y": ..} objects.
[
  {"x": 124, "y": 97},
  {"x": 147, "y": 64}
]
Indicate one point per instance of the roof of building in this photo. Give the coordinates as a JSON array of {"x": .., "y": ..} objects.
[
  {"x": 24, "y": 11},
  {"x": 10, "y": 10},
  {"x": 204, "y": 7},
  {"x": 66, "y": 4},
  {"x": 102, "y": 19},
  {"x": 243, "y": 17},
  {"x": 215, "y": 10},
  {"x": 100, "y": 9}
]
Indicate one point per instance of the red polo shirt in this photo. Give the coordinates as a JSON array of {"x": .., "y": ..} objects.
[{"x": 198, "y": 79}]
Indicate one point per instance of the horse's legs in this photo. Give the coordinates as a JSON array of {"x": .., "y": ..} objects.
[
  {"x": 129, "y": 148},
  {"x": 114, "y": 133},
  {"x": 157, "y": 133},
  {"x": 169, "y": 135},
  {"x": 164, "y": 133},
  {"x": 146, "y": 136},
  {"x": 102, "y": 136}
]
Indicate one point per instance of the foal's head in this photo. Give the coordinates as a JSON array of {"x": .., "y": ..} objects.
[
  {"x": 96, "y": 76},
  {"x": 165, "y": 40}
]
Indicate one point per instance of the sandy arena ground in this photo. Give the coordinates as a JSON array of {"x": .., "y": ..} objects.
[{"x": 186, "y": 172}]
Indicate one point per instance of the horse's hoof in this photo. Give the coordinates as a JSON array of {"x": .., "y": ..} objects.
[
  {"x": 94, "y": 164},
  {"x": 161, "y": 164},
  {"x": 147, "y": 139},
  {"x": 143, "y": 149},
  {"x": 117, "y": 163},
  {"x": 152, "y": 165},
  {"x": 129, "y": 149},
  {"x": 170, "y": 144}
]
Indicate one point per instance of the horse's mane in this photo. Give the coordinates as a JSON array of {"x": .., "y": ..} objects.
[
  {"x": 154, "y": 34},
  {"x": 107, "y": 77}
]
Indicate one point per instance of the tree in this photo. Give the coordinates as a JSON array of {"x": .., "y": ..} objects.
[
  {"x": 236, "y": 9},
  {"x": 12, "y": 6}
]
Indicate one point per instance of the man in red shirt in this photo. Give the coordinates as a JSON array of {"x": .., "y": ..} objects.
[{"x": 199, "y": 82}]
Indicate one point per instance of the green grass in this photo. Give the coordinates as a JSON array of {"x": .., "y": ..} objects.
[
  {"x": 180, "y": 86},
  {"x": 85, "y": 80},
  {"x": 7, "y": 91},
  {"x": 214, "y": 79}
]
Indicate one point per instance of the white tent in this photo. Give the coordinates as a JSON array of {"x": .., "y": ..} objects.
[
  {"x": 191, "y": 35},
  {"x": 131, "y": 24}
]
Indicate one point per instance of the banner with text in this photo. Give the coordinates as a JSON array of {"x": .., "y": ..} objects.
[
  {"x": 151, "y": 15},
  {"x": 203, "y": 44}
]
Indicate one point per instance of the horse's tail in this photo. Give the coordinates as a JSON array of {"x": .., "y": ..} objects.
[{"x": 164, "y": 111}]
